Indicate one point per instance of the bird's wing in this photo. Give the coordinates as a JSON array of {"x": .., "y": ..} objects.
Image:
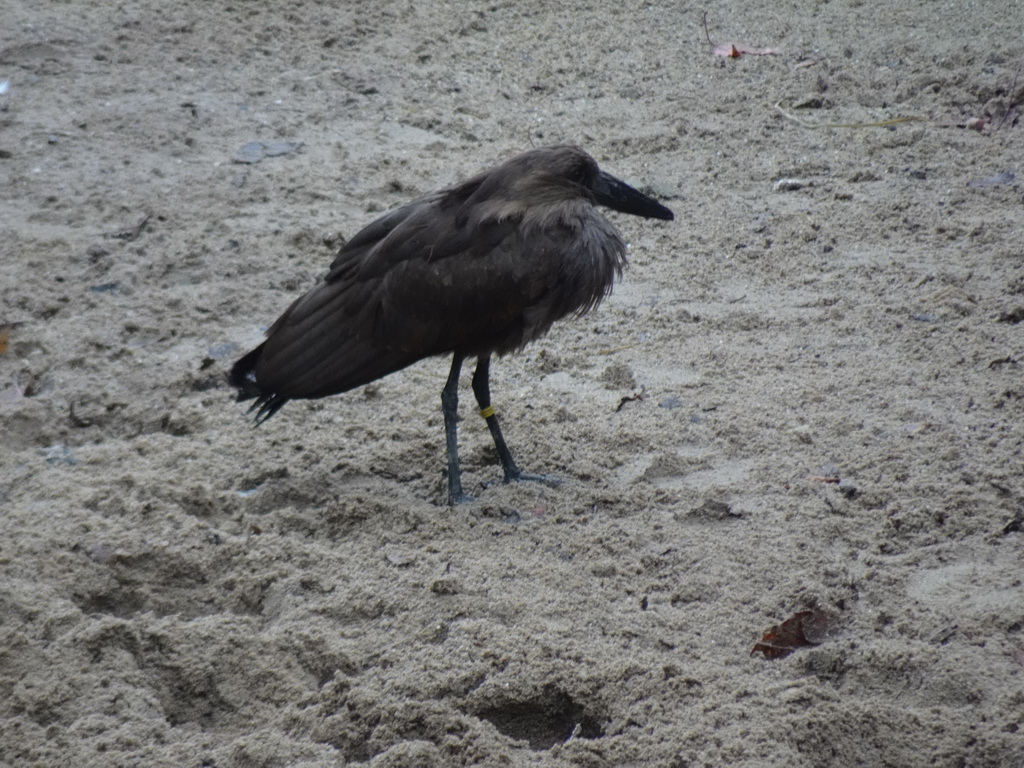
[{"x": 420, "y": 281}]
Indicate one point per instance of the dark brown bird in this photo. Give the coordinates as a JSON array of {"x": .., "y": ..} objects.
[{"x": 482, "y": 268}]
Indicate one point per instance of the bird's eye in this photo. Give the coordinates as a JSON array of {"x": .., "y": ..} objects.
[{"x": 580, "y": 173}]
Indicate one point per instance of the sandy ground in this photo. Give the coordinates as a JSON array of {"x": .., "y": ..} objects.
[{"x": 820, "y": 380}]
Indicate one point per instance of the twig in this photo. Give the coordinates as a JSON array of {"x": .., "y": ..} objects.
[
  {"x": 635, "y": 397},
  {"x": 813, "y": 126},
  {"x": 613, "y": 350},
  {"x": 706, "y": 33},
  {"x": 131, "y": 232},
  {"x": 1011, "y": 106}
]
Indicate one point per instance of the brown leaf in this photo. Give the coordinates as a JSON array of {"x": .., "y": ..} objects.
[{"x": 801, "y": 630}]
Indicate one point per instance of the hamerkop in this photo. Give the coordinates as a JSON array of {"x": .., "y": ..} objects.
[{"x": 478, "y": 269}]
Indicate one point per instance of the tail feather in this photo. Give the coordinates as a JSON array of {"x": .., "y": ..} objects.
[{"x": 243, "y": 377}]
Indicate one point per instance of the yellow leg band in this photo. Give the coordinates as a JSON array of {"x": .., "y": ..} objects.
[{"x": 487, "y": 412}]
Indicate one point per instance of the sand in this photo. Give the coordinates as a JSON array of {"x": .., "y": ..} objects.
[{"x": 805, "y": 395}]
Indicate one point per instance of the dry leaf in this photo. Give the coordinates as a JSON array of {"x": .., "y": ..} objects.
[
  {"x": 801, "y": 630},
  {"x": 733, "y": 51}
]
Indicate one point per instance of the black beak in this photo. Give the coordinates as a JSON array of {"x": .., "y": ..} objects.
[{"x": 619, "y": 196}]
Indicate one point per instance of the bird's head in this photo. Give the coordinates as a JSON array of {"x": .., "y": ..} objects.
[
  {"x": 542, "y": 182},
  {"x": 570, "y": 167}
]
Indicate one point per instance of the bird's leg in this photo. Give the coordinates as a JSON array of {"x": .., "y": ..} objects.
[
  {"x": 450, "y": 409},
  {"x": 482, "y": 390}
]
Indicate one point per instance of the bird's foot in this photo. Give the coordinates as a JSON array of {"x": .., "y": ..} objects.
[
  {"x": 454, "y": 499},
  {"x": 515, "y": 475},
  {"x": 518, "y": 475}
]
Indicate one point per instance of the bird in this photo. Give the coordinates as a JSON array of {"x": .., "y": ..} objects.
[{"x": 478, "y": 269}]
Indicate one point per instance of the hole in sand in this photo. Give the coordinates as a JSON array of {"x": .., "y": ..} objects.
[{"x": 549, "y": 719}]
